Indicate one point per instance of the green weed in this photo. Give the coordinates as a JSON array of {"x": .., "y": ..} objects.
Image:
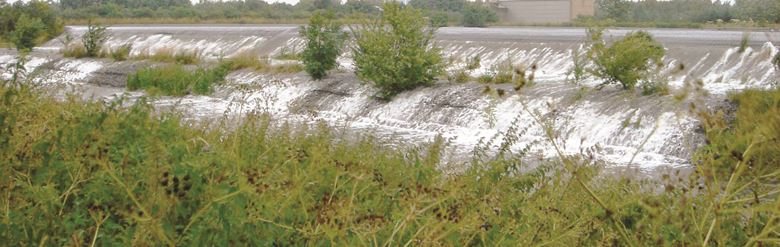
[
  {"x": 176, "y": 80},
  {"x": 77, "y": 172}
]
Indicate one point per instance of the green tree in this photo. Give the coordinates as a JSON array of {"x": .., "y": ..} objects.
[
  {"x": 27, "y": 32},
  {"x": 477, "y": 15},
  {"x": 626, "y": 61},
  {"x": 395, "y": 52},
  {"x": 614, "y": 9},
  {"x": 94, "y": 38},
  {"x": 324, "y": 40}
]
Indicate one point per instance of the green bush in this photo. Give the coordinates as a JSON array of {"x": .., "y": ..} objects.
[
  {"x": 27, "y": 32},
  {"x": 477, "y": 15},
  {"x": 324, "y": 41},
  {"x": 396, "y": 53},
  {"x": 93, "y": 39},
  {"x": 176, "y": 80},
  {"x": 626, "y": 61}
]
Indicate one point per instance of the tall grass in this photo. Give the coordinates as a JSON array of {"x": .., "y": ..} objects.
[
  {"x": 176, "y": 80},
  {"x": 249, "y": 60},
  {"x": 170, "y": 55},
  {"x": 90, "y": 173}
]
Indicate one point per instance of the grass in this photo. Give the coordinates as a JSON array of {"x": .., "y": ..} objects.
[
  {"x": 176, "y": 80},
  {"x": 744, "y": 42},
  {"x": 5, "y": 44},
  {"x": 121, "y": 53},
  {"x": 169, "y": 55},
  {"x": 249, "y": 60},
  {"x": 89, "y": 173}
]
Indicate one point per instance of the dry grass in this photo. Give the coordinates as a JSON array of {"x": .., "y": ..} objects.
[
  {"x": 75, "y": 50},
  {"x": 249, "y": 60},
  {"x": 170, "y": 55}
]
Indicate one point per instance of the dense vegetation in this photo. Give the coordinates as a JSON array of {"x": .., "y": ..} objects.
[
  {"x": 90, "y": 173},
  {"x": 477, "y": 15},
  {"x": 685, "y": 12},
  {"x": 443, "y": 12},
  {"x": 625, "y": 61},
  {"x": 28, "y": 24},
  {"x": 395, "y": 53},
  {"x": 177, "y": 80},
  {"x": 324, "y": 41}
]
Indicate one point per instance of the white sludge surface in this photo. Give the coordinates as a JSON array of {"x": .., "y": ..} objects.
[{"x": 619, "y": 127}]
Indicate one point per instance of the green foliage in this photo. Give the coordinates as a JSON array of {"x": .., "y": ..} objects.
[
  {"x": 626, "y": 61},
  {"x": 93, "y": 39},
  {"x": 750, "y": 135},
  {"x": 27, "y": 32},
  {"x": 477, "y": 15},
  {"x": 579, "y": 61},
  {"x": 176, "y": 80},
  {"x": 324, "y": 41},
  {"x": 82, "y": 173},
  {"x": 28, "y": 24},
  {"x": 396, "y": 53}
]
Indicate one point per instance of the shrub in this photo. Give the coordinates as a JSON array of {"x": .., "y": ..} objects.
[
  {"x": 93, "y": 39},
  {"x": 324, "y": 40},
  {"x": 122, "y": 52},
  {"x": 626, "y": 61},
  {"x": 477, "y": 15},
  {"x": 396, "y": 52},
  {"x": 27, "y": 32},
  {"x": 175, "y": 80}
]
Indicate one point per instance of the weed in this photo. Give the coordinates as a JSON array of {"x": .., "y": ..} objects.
[
  {"x": 744, "y": 42},
  {"x": 458, "y": 76},
  {"x": 473, "y": 63},
  {"x": 579, "y": 61},
  {"x": 122, "y": 52},
  {"x": 176, "y": 80},
  {"x": 77, "y": 172},
  {"x": 75, "y": 50}
]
